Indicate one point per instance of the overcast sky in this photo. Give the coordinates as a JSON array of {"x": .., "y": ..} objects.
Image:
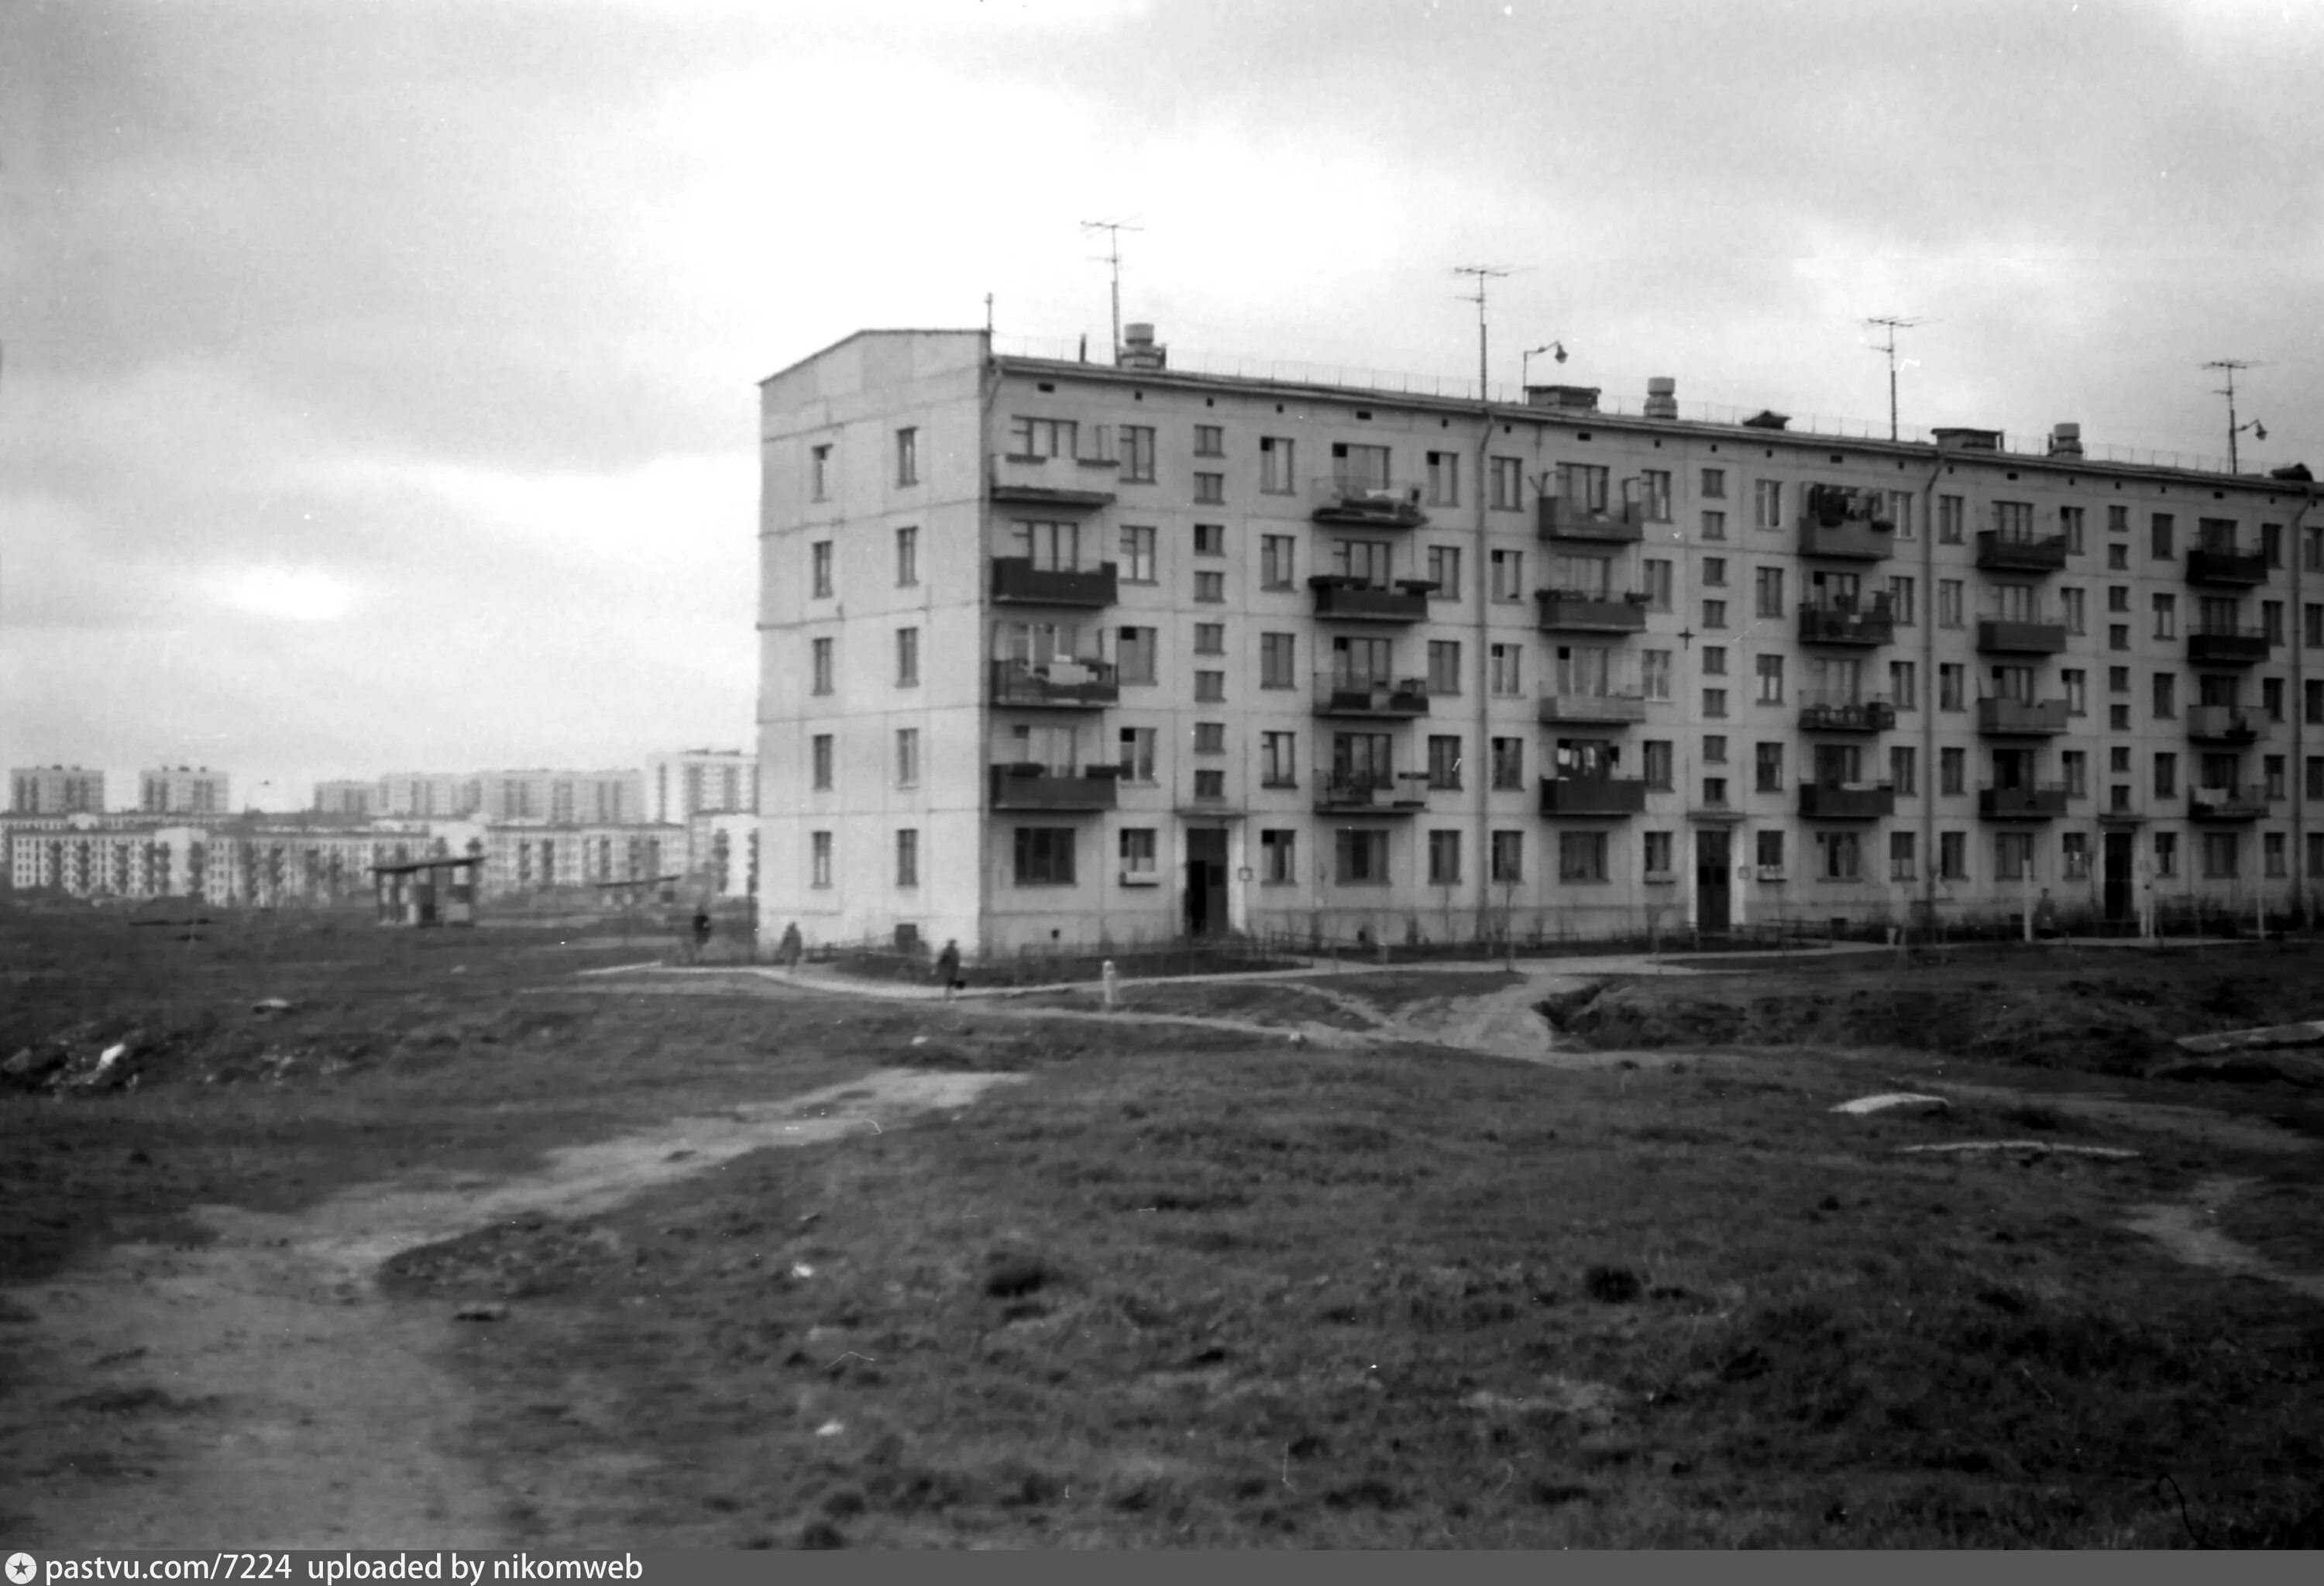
[{"x": 379, "y": 383}]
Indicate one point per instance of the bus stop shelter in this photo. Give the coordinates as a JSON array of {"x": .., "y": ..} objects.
[{"x": 428, "y": 891}]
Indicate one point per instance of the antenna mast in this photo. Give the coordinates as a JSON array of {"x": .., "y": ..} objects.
[
  {"x": 1483, "y": 272},
  {"x": 1894, "y": 322},
  {"x": 1113, "y": 230},
  {"x": 2228, "y": 392}
]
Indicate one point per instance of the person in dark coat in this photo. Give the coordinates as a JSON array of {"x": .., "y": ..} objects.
[{"x": 948, "y": 968}]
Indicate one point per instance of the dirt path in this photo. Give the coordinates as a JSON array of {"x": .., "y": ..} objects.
[
  {"x": 2191, "y": 1231},
  {"x": 259, "y": 1391}
]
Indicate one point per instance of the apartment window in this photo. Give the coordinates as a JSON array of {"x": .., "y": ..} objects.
[
  {"x": 819, "y": 569},
  {"x": 1443, "y": 665},
  {"x": 2166, "y": 853},
  {"x": 2312, "y": 549},
  {"x": 1037, "y": 439},
  {"x": 1767, "y": 768},
  {"x": 1771, "y": 679},
  {"x": 819, "y": 472},
  {"x": 1904, "y": 684},
  {"x": 2076, "y": 612},
  {"x": 907, "y": 855},
  {"x": 1443, "y": 479},
  {"x": 1952, "y": 685},
  {"x": 1444, "y": 762},
  {"x": 1444, "y": 572},
  {"x": 1210, "y": 639},
  {"x": 907, "y": 658},
  {"x": 1508, "y": 575},
  {"x": 2272, "y": 856},
  {"x": 2119, "y": 598},
  {"x": 1137, "y": 759},
  {"x": 1045, "y": 856},
  {"x": 1767, "y": 504},
  {"x": 1210, "y": 737},
  {"x": 1134, "y": 649},
  {"x": 1136, "y": 847},
  {"x": 821, "y": 746},
  {"x": 2077, "y": 766},
  {"x": 1367, "y": 559},
  {"x": 2311, "y": 625},
  {"x": 2271, "y": 775},
  {"x": 1767, "y": 849},
  {"x": 1209, "y": 588},
  {"x": 2118, "y": 636},
  {"x": 1581, "y": 856},
  {"x": 1714, "y": 661},
  {"x": 1585, "y": 485},
  {"x": 1952, "y": 514},
  {"x": 1658, "y": 585},
  {"x": 1359, "y": 467},
  {"x": 1953, "y": 856},
  {"x": 1902, "y": 864},
  {"x": 1839, "y": 856},
  {"x": 1138, "y": 453},
  {"x": 2311, "y": 702},
  {"x": 2012, "y": 856},
  {"x": 1210, "y": 784},
  {"x": 821, "y": 650},
  {"x": 1210, "y": 539},
  {"x": 1278, "y": 852},
  {"x": 1508, "y": 857},
  {"x": 1209, "y": 489},
  {"x": 2076, "y": 852},
  {"x": 1507, "y": 668},
  {"x": 908, "y": 757},
  {"x": 1714, "y": 792},
  {"x": 1767, "y": 584},
  {"x": 1276, "y": 561},
  {"x": 1209, "y": 688},
  {"x": 1714, "y": 614},
  {"x": 2069, "y": 519},
  {"x": 907, "y": 457},
  {"x": 907, "y": 558},
  {"x": 1900, "y": 513},
  {"x": 819, "y": 858},
  {"x": 2166, "y": 696},
  {"x": 1508, "y": 764},
  {"x": 1714, "y": 483},
  {"x": 2166, "y": 616},
  {"x": 1658, "y": 763},
  {"x": 1656, "y": 854},
  {"x": 1277, "y": 661},
  {"x": 1508, "y": 483},
  {"x": 1210, "y": 440},
  {"x": 2315, "y": 777},
  {"x": 2315, "y": 855},
  {"x": 1949, "y": 602},
  {"x": 1714, "y": 572},
  {"x": 2271, "y": 697},
  {"x": 1443, "y": 858},
  {"x": 1275, "y": 472},
  {"x": 2159, "y": 546},
  {"x": 2166, "y": 775},
  {"x": 2219, "y": 855},
  {"x": 1362, "y": 857},
  {"x": 2271, "y": 621},
  {"x": 1277, "y": 759},
  {"x": 1654, "y": 672},
  {"x": 1904, "y": 600},
  {"x": 1654, "y": 495},
  {"x": 2118, "y": 718},
  {"x": 2078, "y": 690},
  {"x": 1137, "y": 554},
  {"x": 1714, "y": 704},
  {"x": 1952, "y": 772},
  {"x": 2117, "y": 558},
  {"x": 1714, "y": 525}
]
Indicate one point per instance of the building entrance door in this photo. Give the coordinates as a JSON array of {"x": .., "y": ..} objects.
[
  {"x": 1712, "y": 878},
  {"x": 2119, "y": 898},
  {"x": 1206, "y": 880}
]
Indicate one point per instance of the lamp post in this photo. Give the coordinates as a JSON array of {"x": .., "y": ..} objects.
[{"x": 1525, "y": 364}]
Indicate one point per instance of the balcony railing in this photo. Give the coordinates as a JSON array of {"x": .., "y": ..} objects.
[
  {"x": 1866, "y": 714},
  {"x": 1072, "y": 484},
  {"x": 1373, "y": 793},
  {"x": 1602, "y": 796},
  {"x": 1560, "y": 518},
  {"x": 1057, "y": 685},
  {"x": 2021, "y": 717},
  {"x": 1607, "y": 709},
  {"x": 1385, "y": 504},
  {"x": 1834, "y": 622},
  {"x": 2020, "y": 636},
  {"x": 1351, "y": 600},
  {"x": 2228, "y": 646},
  {"x": 1023, "y": 785},
  {"x": 1565, "y": 611},
  {"x": 1361, "y": 696},
  {"x": 2224, "y": 564},
  {"x": 2019, "y": 553},
  {"x": 1846, "y": 801},
  {"x": 2221, "y": 724},
  {"x": 2031, "y": 801},
  {"x": 1016, "y": 581},
  {"x": 1854, "y": 524},
  {"x": 2225, "y": 804}
]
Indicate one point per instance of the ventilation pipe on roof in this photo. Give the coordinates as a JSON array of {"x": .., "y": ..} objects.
[
  {"x": 2065, "y": 440},
  {"x": 1661, "y": 397},
  {"x": 1139, "y": 350}
]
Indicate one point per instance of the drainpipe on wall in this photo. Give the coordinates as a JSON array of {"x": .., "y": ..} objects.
[
  {"x": 2297, "y": 708},
  {"x": 987, "y": 398},
  {"x": 1927, "y": 620},
  {"x": 1484, "y": 684}
]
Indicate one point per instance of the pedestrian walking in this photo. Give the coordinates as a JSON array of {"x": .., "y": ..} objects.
[
  {"x": 949, "y": 969},
  {"x": 791, "y": 949}
]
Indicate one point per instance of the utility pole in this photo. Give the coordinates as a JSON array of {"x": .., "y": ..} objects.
[
  {"x": 2258, "y": 430},
  {"x": 1894, "y": 323},
  {"x": 1113, "y": 230},
  {"x": 1483, "y": 272}
]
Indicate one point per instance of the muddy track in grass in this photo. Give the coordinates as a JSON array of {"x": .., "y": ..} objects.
[{"x": 259, "y": 1391}]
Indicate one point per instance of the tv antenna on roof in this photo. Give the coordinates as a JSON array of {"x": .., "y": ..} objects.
[
  {"x": 1113, "y": 255},
  {"x": 1894, "y": 323},
  {"x": 2258, "y": 430},
  {"x": 1483, "y": 272}
]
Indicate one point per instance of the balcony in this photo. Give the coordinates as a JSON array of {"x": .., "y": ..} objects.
[
  {"x": 2224, "y": 564},
  {"x": 1616, "y": 523},
  {"x": 1564, "y": 611},
  {"x": 1069, "y": 483},
  {"x": 1868, "y": 715},
  {"x": 2223, "y": 804},
  {"x": 1378, "y": 699},
  {"x": 1599, "y": 796},
  {"x": 1367, "y": 503},
  {"x": 2221, "y": 724},
  {"x": 2020, "y": 636},
  {"x": 1016, "y": 581},
  {"x": 2227, "y": 647},
  {"x": 2034, "y": 801},
  {"x": 2021, "y": 718},
  {"x": 1593, "y": 709},
  {"x": 1052, "y": 789},
  {"x": 1057, "y": 685},
  {"x": 1851, "y": 525},
  {"x": 1998, "y": 552},
  {"x": 1343, "y": 599},
  {"x": 1834, "y": 623},
  {"x": 1365, "y": 793},
  {"x": 1846, "y": 801}
]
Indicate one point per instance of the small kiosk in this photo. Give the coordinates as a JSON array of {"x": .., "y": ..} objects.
[{"x": 428, "y": 891}]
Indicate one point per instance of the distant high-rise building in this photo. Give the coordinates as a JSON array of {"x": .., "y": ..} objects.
[
  {"x": 55, "y": 789},
  {"x": 349, "y": 798},
  {"x": 611, "y": 797},
  {"x": 184, "y": 790},
  {"x": 701, "y": 781},
  {"x": 428, "y": 795}
]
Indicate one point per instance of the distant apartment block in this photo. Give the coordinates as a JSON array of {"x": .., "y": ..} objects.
[
  {"x": 184, "y": 790},
  {"x": 56, "y": 789},
  {"x": 613, "y": 797},
  {"x": 542, "y": 858},
  {"x": 428, "y": 795},
  {"x": 351, "y": 798},
  {"x": 700, "y": 782}
]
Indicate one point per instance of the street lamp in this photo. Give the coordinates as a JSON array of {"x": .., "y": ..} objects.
[{"x": 1525, "y": 364}]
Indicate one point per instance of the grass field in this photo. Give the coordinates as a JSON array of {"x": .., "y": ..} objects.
[{"x": 1191, "y": 1287}]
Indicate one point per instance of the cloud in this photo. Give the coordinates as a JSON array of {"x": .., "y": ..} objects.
[{"x": 296, "y": 594}]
